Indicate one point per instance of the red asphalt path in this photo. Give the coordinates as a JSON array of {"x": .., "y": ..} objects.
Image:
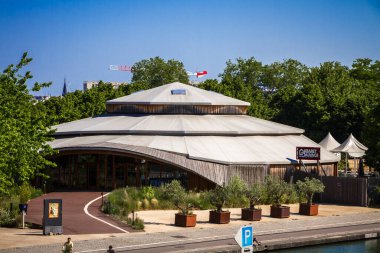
[{"x": 75, "y": 220}]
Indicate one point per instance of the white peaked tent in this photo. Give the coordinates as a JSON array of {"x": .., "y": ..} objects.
[
  {"x": 329, "y": 143},
  {"x": 352, "y": 147}
]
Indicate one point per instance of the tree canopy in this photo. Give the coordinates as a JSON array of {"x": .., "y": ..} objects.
[
  {"x": 156, "y": 72},
  {"x": 329, "y": 97},
  {"x": 23, "y": 132}
]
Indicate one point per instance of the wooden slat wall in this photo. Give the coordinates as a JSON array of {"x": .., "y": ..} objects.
[
  {"x": 345, "y": 190},
  {"x": 212, "y": 173},
  {"x": 279, "y": 171},
  {"x": 175, "y": 109},
  {"x": 248, "y": 173}
]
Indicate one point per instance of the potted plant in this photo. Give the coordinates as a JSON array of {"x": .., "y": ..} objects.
[
  {"x": 254, "y": 194},
  {"x": 218, "y": 198},
  {"x": 277, "y": 190},
  {"x": 183, "y": 201},
  {"x": 306, "y": 190}
]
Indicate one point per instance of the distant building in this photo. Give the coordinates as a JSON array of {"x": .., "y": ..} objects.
[
  {"x": 41, "y": 98},
  {"x": 64, "y": 91},
  {"x": 90, "y": 84},
  {"x": 194, "y": 83}
]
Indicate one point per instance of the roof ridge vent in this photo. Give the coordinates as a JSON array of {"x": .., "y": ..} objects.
[{"x": 178, "y": 91}]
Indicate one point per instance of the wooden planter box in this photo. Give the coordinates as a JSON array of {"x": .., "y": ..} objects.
[
  {"x": 279, "y": 212},
  {"x": 251, "y": 215},
  {"x": 310, "y": 210},
  {"x": 182, "y": 220},
  {"x": 219, "y": 217}
]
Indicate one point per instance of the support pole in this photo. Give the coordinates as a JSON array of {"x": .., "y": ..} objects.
[
  {"x": 345, "y": 170},
  {"x": 23, "y": 219}
]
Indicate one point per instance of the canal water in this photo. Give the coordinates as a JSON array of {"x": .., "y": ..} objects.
[{"x": 363, "y": 246}]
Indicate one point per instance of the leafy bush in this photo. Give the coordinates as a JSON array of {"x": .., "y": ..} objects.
[
  {"x": 147, "y": 193},
  {"x": 278, "y": 190},
  {"x": 120, "y": 203},
  {"x": 137, "y": 224},
  {"x": 175, "y": 193},
  {"x": 7, "y": 218},
  {"x": 255, "y": 194},
  {"x": 235, "y": 193},
  {"x": 218, "y": 197},
  {"x": 308, "y": 187},
  {"x": 202, "y": 201}
]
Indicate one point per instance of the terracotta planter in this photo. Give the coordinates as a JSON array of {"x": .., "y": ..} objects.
[
  {"x": 310, "y": 210},
  {"x": 279, "y": 212},
  {"x": 219, "y": 217},
  {"x": 251, "y": 215},
  {"x": 182, "y": 220}
]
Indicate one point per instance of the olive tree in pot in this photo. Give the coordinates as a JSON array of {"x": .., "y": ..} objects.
[
  {"x": 306, "y": 190},
  {"x": 175, "y": 192},
  {"x": 277, "y": 191},
  {"x": 254, "y": 193},
  {"x": 218, "y": 198}
]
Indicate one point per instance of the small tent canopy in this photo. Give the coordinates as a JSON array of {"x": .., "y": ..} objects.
[
  {"x": 329, "y": 143},
  {"x": 351, "y": 146}
]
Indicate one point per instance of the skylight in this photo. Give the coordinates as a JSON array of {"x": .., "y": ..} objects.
[{"x": 178, "y": 92}]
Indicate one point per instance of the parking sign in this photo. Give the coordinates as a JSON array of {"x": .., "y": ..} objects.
[{"x": 244, "y": 237}]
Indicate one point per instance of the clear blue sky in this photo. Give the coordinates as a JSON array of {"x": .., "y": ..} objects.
[{"x": 80, "y": 39}]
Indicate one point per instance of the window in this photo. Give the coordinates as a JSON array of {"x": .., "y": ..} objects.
[{"x": 178, "y": 92}]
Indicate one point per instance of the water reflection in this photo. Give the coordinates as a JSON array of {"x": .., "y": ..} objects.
[{"x": 367, "y": 246}]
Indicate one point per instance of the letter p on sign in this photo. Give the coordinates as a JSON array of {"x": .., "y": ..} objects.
[{"x": 247, "y": 236}]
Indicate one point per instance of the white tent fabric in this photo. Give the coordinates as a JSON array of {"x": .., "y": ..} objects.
[
  {"x": 221, "y": 149},
  {"x": 163, "y": 95},
  {"x": 351, "y": 146},
  {"x": 329, "y": 142},
  {"x": 175, "y": 125}
]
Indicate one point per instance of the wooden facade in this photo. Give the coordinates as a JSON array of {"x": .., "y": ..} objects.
[
  {"x": 88, "y": 170},
  {"x": 174, "y": 109}
]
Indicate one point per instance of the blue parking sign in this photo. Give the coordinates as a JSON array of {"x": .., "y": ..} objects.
[{"x": 247, "y": 236}]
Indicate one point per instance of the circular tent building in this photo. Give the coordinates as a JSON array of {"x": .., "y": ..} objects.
[{"x": 176, "y": 131}]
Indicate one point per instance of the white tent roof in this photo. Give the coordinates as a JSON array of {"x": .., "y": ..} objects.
[
  {"x": 329, "y": 142},
  {"x": 221, "y": 149},
  {"x": 163, "y": 95},
  {"x": 175, "y": 125},
  {"x": 351, "y": 146}
]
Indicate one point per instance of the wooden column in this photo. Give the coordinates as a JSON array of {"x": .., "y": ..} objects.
[
  {"x": 113, "y": 172},
  {"x": 97, "y": 171},
  {"x": 105, "y": 171}
]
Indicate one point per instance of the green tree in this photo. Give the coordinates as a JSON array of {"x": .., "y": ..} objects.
[
  {"x": 372, "y": 137},
  {"x": 242, "y": 80},
  {"x": 23, "y": 129},
  {"x": 156, "y": 72}
]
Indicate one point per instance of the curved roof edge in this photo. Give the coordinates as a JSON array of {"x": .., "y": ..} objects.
[{"x": 211, "y": 171}]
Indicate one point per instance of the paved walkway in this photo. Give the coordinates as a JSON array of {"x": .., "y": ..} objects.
[
  {"x": 331, "y": 216},
  {"x": 75, "y": 220}
]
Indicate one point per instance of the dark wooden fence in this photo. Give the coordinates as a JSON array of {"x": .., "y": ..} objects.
[{"x": 343, "y": 190}]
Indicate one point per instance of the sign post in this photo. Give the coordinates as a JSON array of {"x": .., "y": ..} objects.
[
  {"x": 23, "y": 209},
  {"x": 309, "y": 153},
  {"x": 244, "y": 237},
  {"x": 52, "y": 220}
]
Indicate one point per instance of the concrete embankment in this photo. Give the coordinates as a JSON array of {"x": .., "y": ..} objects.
[
  {"x": 300, "y": 239},
  {"x": 334, "y": 224}
]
